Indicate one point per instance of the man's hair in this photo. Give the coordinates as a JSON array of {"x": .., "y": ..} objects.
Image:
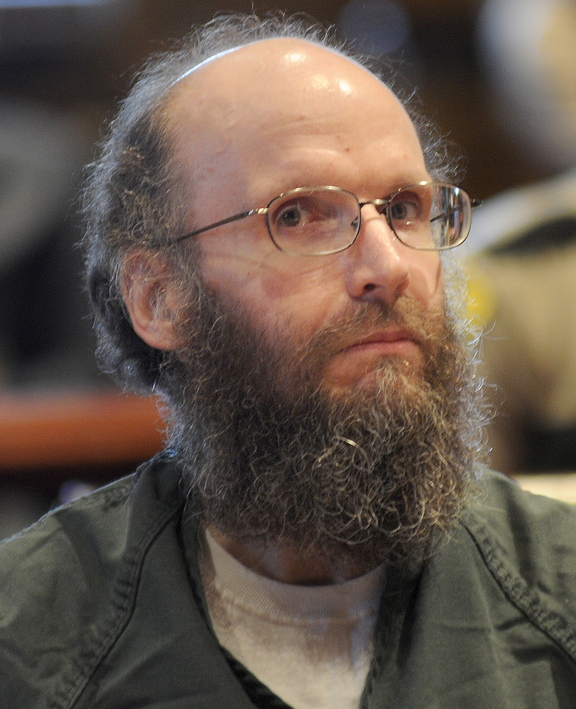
[{"x": 134, "y": 196}]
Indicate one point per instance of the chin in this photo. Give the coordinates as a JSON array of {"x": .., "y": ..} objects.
[{"x": 392, "y": 373}]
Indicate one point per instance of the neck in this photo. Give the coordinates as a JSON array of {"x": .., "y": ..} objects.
[{"x": 287, "y": 564}]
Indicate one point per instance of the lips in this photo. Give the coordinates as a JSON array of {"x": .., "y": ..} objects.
[
  {"x": 356, "y": 359},
  {"x": 386, "y": 339}
]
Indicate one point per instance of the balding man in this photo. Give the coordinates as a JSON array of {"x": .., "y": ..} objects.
[{"x": 265, "y": 228}]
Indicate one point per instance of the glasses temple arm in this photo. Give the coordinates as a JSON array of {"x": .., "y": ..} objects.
[
  {"x": 228, "y": 220},
  {"x": 473, "y": 203}
]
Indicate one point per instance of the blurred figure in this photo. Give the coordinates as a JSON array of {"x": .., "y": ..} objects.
[
  {"x": 524, "y": 275},
  {"x": 525, "y": 286},
  {"x": 44, "y": 340},
  {"x": 43, "y": 337},
  {"x": 528, "y": 48}
]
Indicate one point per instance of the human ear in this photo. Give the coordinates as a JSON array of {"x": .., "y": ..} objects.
[{"x": 153, "y": 299}]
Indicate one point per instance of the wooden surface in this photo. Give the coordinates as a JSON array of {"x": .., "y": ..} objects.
[{"x": 51, "y": 430}]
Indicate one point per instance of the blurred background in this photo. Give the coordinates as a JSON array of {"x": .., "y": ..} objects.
[{"x": 497, "y": 76}]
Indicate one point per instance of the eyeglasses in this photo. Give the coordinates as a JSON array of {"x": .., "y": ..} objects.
[{"x": 317, "y": 221}]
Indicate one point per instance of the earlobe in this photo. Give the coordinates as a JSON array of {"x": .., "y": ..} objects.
[{"x": 152, "y": 298}]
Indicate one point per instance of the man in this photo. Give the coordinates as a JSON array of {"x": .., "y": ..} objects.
[{"x": 264, "y": 238}]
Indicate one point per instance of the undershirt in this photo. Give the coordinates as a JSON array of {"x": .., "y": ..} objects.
[{"x": 310, "y": 645}]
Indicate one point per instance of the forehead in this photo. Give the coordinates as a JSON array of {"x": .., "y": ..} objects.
[{"x": 276, "y": 100}]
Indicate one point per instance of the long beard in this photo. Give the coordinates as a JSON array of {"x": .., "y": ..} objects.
[{"x": 374, "y": 475}]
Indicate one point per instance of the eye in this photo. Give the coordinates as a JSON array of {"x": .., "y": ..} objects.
[
  {"x": 289, "y": 215},
  {"x": 407, "y": 207},
  {"x": 313, "y": 221},
  {"x": 304, "y": 212}
]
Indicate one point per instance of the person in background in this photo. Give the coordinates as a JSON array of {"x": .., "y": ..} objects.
[
  {"x": 524, "y": 265},
  {"x": 266, "y": 229},
  {"x": 523, "y": 283}
]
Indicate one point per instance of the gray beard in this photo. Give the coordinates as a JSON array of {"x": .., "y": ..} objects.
[{"x": 376, "y": 476}]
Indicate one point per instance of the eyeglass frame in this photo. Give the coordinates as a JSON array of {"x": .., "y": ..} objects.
[{"x": 381, "y": 202}]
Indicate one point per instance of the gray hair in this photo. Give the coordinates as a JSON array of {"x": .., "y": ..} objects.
[{"x": 133, "y": 195}]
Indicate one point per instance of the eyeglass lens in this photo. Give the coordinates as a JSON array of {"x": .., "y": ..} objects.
[
  {"x": 430, "y": 216},
  {"x": 313, "y": 221}
]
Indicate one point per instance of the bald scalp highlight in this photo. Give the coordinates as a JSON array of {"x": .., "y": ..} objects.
[{"x": 135, "y": 196}]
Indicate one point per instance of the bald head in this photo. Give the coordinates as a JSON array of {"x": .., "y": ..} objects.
[{"x": 282, "y": 113}]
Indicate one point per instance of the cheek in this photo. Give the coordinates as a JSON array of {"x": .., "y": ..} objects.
[
  {"x": 426, "y": 279},
  {"x": 299, "y": 295},
  {"x": 278, "y": 291}
]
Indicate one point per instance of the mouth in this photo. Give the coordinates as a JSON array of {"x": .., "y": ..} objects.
[
  {"x": 357, "y": 362},
  {"x": 391, "y": 341}
]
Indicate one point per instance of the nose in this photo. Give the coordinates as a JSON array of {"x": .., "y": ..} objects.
[{"x": 377, "y": 268}]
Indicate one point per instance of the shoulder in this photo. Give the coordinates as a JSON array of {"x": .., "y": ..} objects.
[
  {"x": 528, "y": 544},
  {"x": 523, "y": 523},
  {"x": 95, "y": 528},
  {"x": 68, "y": 580}
]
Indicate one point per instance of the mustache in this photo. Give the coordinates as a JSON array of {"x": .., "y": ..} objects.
[{"x": 361, "y": 319}]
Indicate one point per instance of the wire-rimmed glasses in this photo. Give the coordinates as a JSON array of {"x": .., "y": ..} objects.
[{"x": 317, "y": 221}]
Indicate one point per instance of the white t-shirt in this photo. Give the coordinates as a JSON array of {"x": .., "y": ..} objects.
[{"x": 311, "y": 645}]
